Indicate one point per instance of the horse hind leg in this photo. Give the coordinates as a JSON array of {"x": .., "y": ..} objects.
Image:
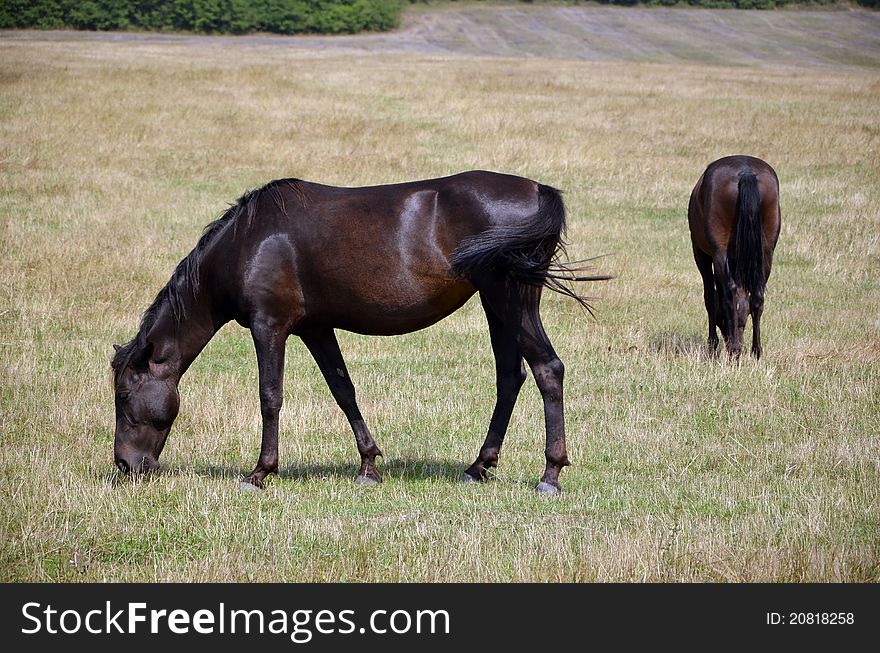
[
  {"x": 520, "y": 307},
  {"x": 710, "y": 297},
  {"x": 756, "y": 307},
  {"x": 325, "y": 350},
  {"x": 510, "y": 373}
]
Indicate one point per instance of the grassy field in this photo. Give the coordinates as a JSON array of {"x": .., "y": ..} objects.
[{"x": 113, "y": 155}]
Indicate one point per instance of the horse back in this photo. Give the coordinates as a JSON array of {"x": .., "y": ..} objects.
[{"x": 374, "y": 259}]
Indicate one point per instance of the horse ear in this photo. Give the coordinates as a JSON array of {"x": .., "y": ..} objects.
[{"x": 114, "y": 362}]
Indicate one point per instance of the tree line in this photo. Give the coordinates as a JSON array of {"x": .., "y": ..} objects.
[{"x": 208, "y": 16}]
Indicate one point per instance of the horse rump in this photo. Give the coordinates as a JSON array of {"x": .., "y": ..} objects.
[{"x": 527, "y": 253}]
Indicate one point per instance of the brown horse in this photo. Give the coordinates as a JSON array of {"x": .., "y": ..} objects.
[
  {"x": 734, "y": 221},
  {"x": 299, "y": 258}
]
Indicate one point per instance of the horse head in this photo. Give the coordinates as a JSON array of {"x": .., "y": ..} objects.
[
  {"x": 147, "y": 402},
  {"x": 736, "y": 312}
]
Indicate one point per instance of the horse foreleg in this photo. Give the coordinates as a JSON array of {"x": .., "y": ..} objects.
[
  {"x": 269, "y": 344},
  {"x": 325, "y": 350},
  {"x": 510, "y": 373}
]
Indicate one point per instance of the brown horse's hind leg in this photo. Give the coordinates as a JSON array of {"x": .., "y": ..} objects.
[
  {"x": 325, "y": 350},
  {"x": 756, "y": 306},
  {"x": 549, "y": 372},
  {"x": 269, "y": 344},
  {"x": 520, "y": 310},
  {"x": 710, "y": 298},
  {"x": 510, "y": 373}
]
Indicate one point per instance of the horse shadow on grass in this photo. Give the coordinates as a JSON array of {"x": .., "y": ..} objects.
[{"x": 410, "y": 469}]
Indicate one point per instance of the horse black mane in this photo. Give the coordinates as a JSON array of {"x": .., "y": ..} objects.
[{"x": 185, "y": 278}]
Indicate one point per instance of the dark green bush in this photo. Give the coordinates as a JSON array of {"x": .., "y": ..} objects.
[{"x": 220, "y": 16}]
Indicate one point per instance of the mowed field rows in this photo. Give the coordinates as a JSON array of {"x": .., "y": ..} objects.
[{"x": 114, "y": 154}]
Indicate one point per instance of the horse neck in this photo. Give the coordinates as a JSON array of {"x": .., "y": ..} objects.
[{"x": 179, "y": 339}]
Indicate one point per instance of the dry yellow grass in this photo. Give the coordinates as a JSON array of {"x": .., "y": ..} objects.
[{"x": 113, "y": 156}]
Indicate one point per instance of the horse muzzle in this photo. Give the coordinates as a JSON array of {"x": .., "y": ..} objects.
[{"x": 136, "y": 464}]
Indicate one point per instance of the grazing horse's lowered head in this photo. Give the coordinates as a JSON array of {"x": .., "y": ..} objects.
[
  {"x": 737, "y": 306},
  {"x": 147, "y": 402},
  {"x": 304, "y": 259}
]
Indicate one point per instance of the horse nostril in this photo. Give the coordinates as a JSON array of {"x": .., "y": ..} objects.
[{"x": 122, "y": 465}]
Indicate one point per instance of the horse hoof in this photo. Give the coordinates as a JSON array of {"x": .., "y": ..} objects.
[
  {"x": 244, "y": 486},
  {"x": 366, "y": 481},
  {"x": 467, "y": 478},
  {"x": 547, "y": 490}
]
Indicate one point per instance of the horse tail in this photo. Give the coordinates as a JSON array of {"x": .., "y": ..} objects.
[
  {"x": 526, "y": 253},
  {"x": 748, "y": 268}
]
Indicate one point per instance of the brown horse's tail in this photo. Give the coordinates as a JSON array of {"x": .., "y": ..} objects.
[
  {"x": 748, "y": 267},
  {"x": 526, "y": 253}
]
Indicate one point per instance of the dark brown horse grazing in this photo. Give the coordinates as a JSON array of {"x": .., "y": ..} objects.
[
  {"x": 301, "y": 258},
  {"x": 734, "y": 221}
]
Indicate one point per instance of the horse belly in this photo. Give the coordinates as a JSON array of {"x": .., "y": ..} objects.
[{"x": 384, "y": 306}]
